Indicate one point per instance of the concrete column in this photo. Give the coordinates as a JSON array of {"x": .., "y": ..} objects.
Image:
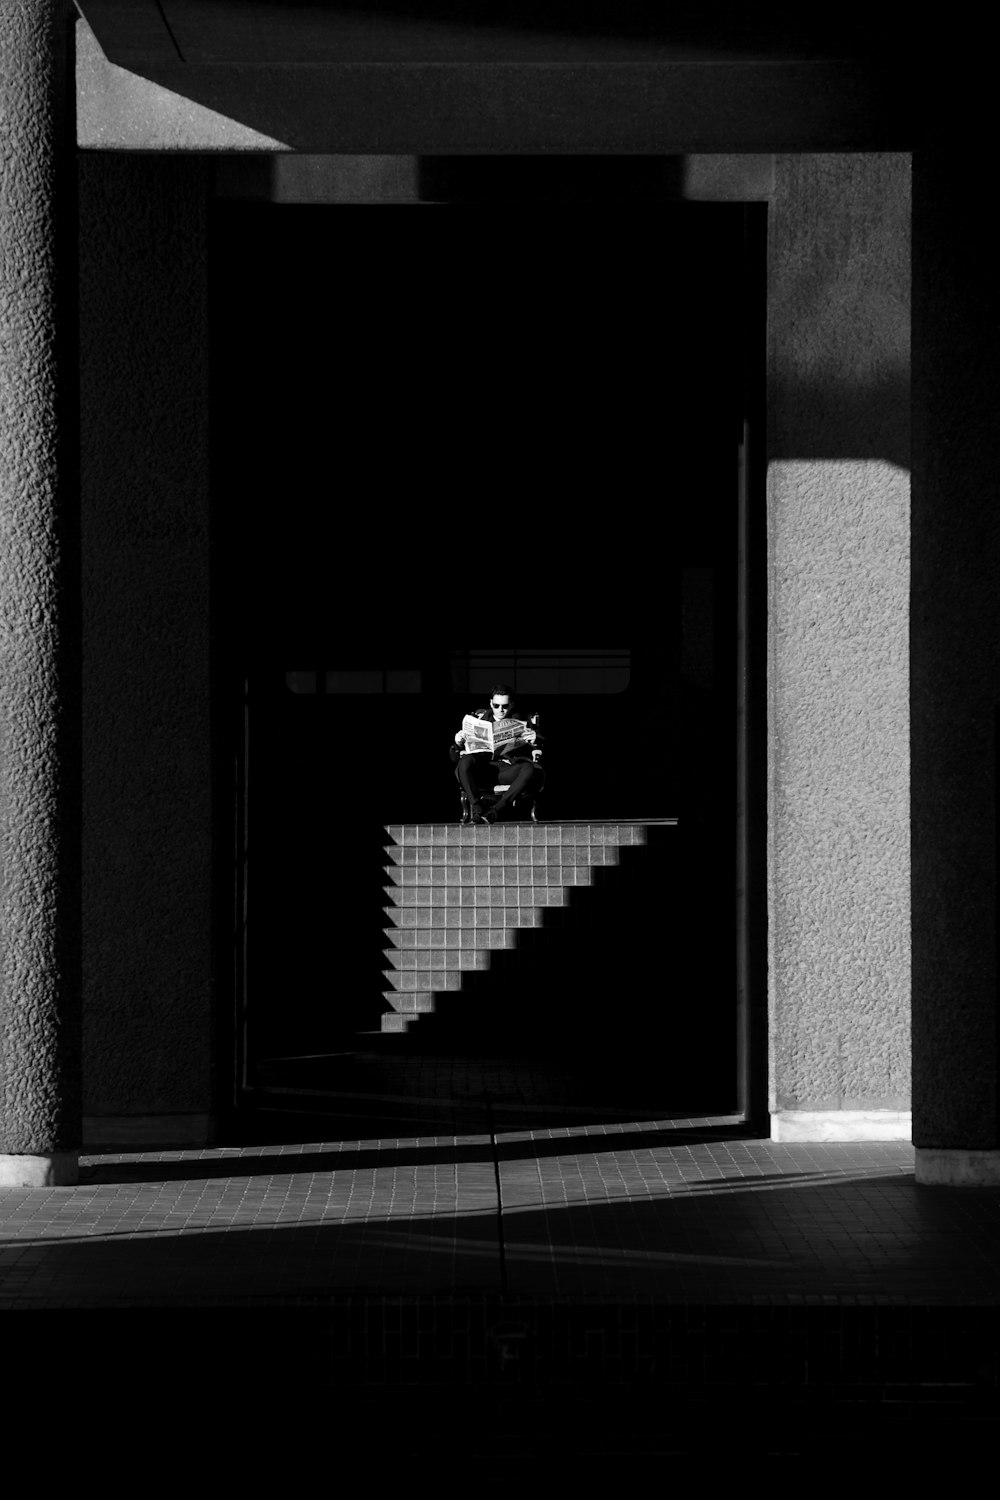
[
  {"x": 955, "y": 656},
  {"x": 39, "y": 601},
  {"x": 838, "y": 729}
]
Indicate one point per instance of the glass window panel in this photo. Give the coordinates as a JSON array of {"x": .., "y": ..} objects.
[
  {"x": 569, "y": 669},
  {"x": 301, "y": 682},
  {"x": 402, "y": 680},
  {"x": 593, "y": 679},
  {"x": 538, "y": 680},
  {"x": 497, "y": 665},
  {"x": 482, "y": 679},
  {"x": 354, "y": 682}
]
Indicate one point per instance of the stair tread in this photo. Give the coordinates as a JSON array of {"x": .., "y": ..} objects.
[
  {"x": 469, "y": 895},
  {"x": 433, "y": 856},
  {"x": 449, "y": 939},
  {"x": 409, "y": 981},
  {"x": 411, "y": 1002},
  {"x": 516, "y": 875},
  {"x": 452, "y": 960},
  {"x": 520, "y": 835},
  {"x": 487, "y": 917}
]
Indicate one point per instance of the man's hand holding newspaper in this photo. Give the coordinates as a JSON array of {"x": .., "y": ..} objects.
[
  {"x": 481, "y": 737},
  {"x": 492, "y": 736}
]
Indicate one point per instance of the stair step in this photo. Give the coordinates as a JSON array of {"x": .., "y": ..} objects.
[
  {"x": 506, "y": 855},
  {"x": 410, "y": 1002},
  {"x": 458, "y": 893},
  {"x": 478, "y": 835},
  {"x": 463, "y": 939},
  {"x": 477, "y": 895},
  {"x": 410, "y": 980},
  {"x": 492, "y": 917},
  {"x": 418, "y": 960},
  {"x": 408, "y": 877},
  {"x": 392, "y": 1021}
]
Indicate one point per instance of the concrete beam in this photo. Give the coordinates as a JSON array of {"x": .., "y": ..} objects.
[{"x": 562, "y": 100}]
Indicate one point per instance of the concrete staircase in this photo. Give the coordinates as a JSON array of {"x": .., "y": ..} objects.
[{"x": 459, "y": 894}]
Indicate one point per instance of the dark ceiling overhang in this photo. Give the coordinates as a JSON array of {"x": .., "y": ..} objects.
[{"x": 530, "y": 76}]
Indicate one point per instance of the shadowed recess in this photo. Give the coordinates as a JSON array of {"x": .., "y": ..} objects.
[{"x": 283, "y": 32}]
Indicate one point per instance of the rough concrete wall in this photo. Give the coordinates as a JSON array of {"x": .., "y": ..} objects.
[
  {"x": 146, "y": 795},
  {"x": 955, "y": 642},
  {"x": 838, "y": 535},
  {"x": 39, "y": 688}
]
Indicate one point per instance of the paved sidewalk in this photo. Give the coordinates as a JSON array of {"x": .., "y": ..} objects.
[
  {"x": 662, "y": 1212},
  {"x": 576, "y": 1299}
]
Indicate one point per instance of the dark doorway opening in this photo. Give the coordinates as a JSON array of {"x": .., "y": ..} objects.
[{"x": 436, "y": 433}]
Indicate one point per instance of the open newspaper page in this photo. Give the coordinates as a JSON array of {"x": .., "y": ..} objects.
[{"x": 491, "y": 735}]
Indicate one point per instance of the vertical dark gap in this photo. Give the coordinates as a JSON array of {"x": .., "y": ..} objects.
[
  {"x": 226, "y": 734},
  {"x": 753, "y": 1021},
  {"x": 242, "y": 892},
  {"x": 742, "y": 915}
]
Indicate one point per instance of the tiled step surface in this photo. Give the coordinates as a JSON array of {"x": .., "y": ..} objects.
[
  {"x": 460, "y": 918},
  {"x": 456, "y": 894},
  {"x": 434, "y": 876},
  {"x": 534, "y": 835},
  {"x": 406, "y": 939},
  {"x": 512, "y": 893},
  {"x": 430, "y": 856},
  {"x": 402, "y": 959}
]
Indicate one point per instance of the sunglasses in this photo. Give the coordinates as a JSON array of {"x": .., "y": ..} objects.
[{"x": 499, "y": 705}]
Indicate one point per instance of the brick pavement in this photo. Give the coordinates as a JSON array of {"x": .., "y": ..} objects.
[
  {"x": 661, "y": 1211},
  {"x": 573, "y": 1295}
]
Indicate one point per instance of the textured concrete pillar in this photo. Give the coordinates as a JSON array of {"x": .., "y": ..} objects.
[
  {"x": 955, "y": 645},
  {"x": 838, "y": 729},
  {"x": 39, "y": 628}
]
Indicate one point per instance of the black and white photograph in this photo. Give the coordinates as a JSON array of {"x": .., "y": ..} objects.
[{"x": 499, "y": 634}]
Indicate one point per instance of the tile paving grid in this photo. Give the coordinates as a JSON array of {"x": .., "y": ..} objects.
[{"x": 667, "y": 1222}]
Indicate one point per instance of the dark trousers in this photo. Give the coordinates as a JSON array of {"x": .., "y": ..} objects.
[{"x": 478, "y": 771}]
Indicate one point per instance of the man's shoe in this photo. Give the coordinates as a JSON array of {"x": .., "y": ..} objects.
[
  {"x": 476, "y": 813},
  {"x": 489, "y": 817}
]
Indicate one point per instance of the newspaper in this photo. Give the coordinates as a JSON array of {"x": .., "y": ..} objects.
[{"x": 493, "y": 735}]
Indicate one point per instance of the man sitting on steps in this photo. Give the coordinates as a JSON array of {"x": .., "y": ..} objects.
[{"x": 517, "y": 768}]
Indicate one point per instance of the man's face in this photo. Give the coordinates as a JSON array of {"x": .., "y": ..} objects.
[{"x": 500, "y": 704}]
